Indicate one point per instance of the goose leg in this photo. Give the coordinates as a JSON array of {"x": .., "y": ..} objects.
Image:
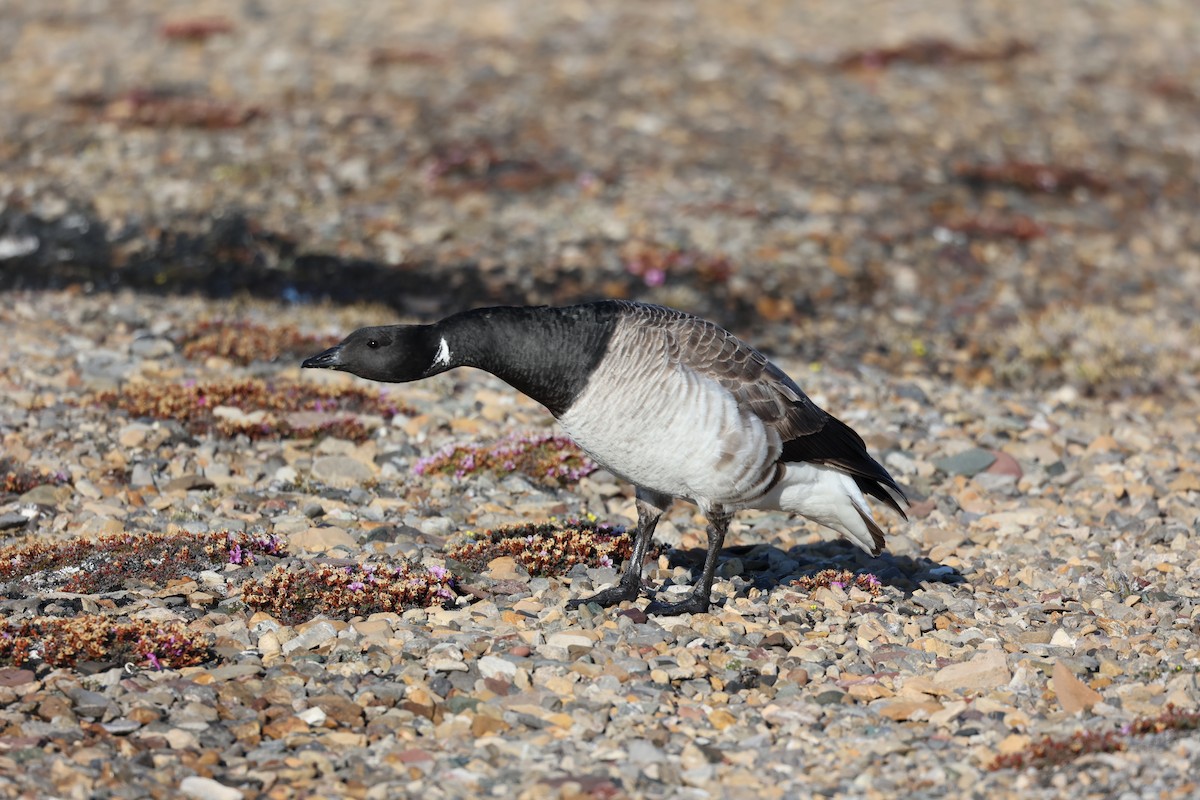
[
  {"x": 698, "y": 601},
  {"x": 650, "y": 508}
]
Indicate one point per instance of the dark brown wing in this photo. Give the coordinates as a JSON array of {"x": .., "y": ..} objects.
[{"x": 809, "y": 433}]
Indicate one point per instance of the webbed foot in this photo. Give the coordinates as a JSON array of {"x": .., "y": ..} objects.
[
  {"x": 609, "y": 597},
  {"x": 694, "y": 604}
]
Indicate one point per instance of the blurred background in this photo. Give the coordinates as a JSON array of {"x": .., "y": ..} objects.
[{"x": 995, "y": 191}]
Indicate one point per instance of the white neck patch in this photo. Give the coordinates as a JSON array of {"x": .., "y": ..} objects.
[{"x": 442, "y": 358}]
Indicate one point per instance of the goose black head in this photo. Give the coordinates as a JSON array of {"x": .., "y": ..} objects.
[{"x": 388, "y": 353}]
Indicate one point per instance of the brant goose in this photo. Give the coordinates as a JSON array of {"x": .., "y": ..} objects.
[{"x": 672, "y": 403}]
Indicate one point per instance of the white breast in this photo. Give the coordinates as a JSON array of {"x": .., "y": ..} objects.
[{"x": 665, "y": 427}]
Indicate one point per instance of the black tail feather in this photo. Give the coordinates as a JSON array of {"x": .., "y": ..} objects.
[
  {"x": 877, "y": 538},
  {"x": 837, "y": 445}
]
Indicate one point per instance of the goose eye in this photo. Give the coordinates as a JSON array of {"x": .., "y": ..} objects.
[{"x": 371, "y": 343}]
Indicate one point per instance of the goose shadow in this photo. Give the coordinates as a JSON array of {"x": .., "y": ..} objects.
[{"x": 765, "y": 566}]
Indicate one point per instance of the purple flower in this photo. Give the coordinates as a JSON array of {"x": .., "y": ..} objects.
[
  {"x": 356, "y": 586},
  {"x": 155, "y": 664},
  {"x": 439, "y": 573}
]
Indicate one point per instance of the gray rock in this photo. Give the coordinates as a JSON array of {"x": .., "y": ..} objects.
[
  {"x": 341, "y": 471},
  {"x": 91, "y": 704},
  {"x": 969, "y": 462},
  {"x": 152, "y": 347},
  {"x": 45, "y": 495},
  {"x": 121, "y": 726},
  {"x": 995, "y": 483},
  {"x": 643, "y": 751},
  {"x": 911, "y": 391},
  {"x": 599, "y": 575},
  {"x": 104, "y": 368},
  {"x": 141, "y": 476}
]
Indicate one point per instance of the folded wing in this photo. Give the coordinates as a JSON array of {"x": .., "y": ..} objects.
[{"x": 809, "y": 433}]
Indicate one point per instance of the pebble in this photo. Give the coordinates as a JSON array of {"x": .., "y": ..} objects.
[
  {"x": 312, "y": 637},
  {"x": 91, "y": 704},
  {"x": 987, "y": 670},
  {"x": 322, "y": 539},
  {"x": 312, "y": 716},
  {"x": 495, "y": 667},
  {"x": 968, "y": 463},
  {"x": 45, "y": 495},
  {"x": 1073, "y": 694},
  {"x": 506, "y": 568},
  {"x": 152, "y": 347},
  {"x": 200, "y": 788},
  {"x": 121, "y": 726},
  {"x": 341, "y": 471}
]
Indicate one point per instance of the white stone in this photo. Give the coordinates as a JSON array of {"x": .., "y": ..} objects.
[
  {"x": 496, "y": 667},
  {"x": 312, "y": 716},
  {"x": 207, "y": 789}
]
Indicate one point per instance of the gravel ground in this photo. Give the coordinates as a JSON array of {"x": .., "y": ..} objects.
[{"x": 967, "y": 229}]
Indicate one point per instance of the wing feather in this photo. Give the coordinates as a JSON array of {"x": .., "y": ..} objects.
[{"x": 808, "y": 432}]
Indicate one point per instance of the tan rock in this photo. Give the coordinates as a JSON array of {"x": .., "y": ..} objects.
[
  {"x": 987, "y": 670},
  {"x": 506, "y": 568},
  {"x": 1013, "y": 743},
  {"x": 321, "y": 540},
  {"x": 133, "y": 434},
  {"x": 901, "y": 710},
  {"x": 342, "y": 471},
  {"x": 485, "y": 725},
  {"x": 869, "y": 691},
  {"x": 1073, "y": 694},
  {"x": 284, "y": 726},
  {"x": 180, "y": 739},
  {"x": 721, "y": 719}
]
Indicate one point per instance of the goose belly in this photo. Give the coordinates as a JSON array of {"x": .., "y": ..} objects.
[{"x": 682, "y": 435}]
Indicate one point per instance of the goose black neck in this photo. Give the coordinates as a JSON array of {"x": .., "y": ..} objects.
[{"x": 547, "y": 353}]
